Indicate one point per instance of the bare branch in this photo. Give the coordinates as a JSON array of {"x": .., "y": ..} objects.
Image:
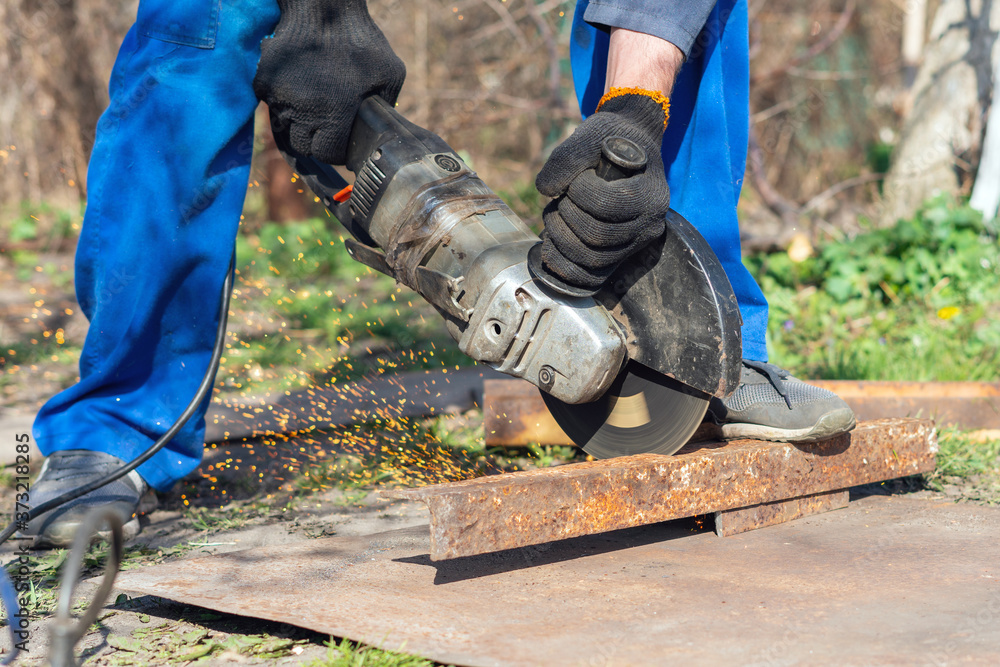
[
  {"x": 518, "y": 14},
  {"x": 555, "y": 73},
  {"x": 785, "y": 209},
  {"x": 836, "y": 189},
  {"x": 508, "y": 21},
  {"x": 761, "y": 116},
  {"x": 819, "y": 47}
]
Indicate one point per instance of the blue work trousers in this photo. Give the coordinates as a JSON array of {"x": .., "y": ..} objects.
[
  {"x": 705, "y": 145},
  {"x": 166, "y": 183}
]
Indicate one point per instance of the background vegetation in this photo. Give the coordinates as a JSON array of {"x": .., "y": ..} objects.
[{"x": 830, "y": 87}]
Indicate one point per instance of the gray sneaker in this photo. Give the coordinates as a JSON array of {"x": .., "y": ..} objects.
[
  {"x": 64, "y": 471},
  {"x": 770, "y": 404}
]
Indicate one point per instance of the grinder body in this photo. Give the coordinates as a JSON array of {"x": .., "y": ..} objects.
[{"x": 418, "y": 213}]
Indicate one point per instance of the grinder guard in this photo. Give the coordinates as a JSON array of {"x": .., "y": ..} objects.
[{"x": 678, "y": 310}]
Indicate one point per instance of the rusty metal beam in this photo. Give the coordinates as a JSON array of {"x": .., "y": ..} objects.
[
  {"x": 514, "y": 414},
  {"x": 734, "y": 522},
  {"x": 970, "y": 405},
  {"x": 520, "y": 509}
]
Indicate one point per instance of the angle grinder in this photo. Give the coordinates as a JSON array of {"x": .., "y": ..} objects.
[{"x": 628, "y": 369}]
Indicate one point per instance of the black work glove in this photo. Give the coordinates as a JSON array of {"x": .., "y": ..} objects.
[
  {"x": 593, "y": 225},
  {"x": 324, "y": 59}
]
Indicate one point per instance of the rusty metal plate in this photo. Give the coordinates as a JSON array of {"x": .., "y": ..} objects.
[
  {"x": 887, "y": 581},
  {"x": 734, "y": 522},
  {"x": 515, "y": 415},
  {"x": 519, "y": 509}
]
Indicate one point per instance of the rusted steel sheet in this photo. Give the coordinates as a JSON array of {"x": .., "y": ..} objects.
[
  {"x": 734, "y": 522},
  {"x": 887, "y": 581},
  {"x": 519, "y": 509},
  {"x": 514, "y": 414}
]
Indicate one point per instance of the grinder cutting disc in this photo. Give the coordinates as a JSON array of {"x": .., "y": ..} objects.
[{"x": 644, "y": 412}]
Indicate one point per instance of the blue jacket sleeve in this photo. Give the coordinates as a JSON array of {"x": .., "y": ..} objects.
[{"x": 677, "y": 21}]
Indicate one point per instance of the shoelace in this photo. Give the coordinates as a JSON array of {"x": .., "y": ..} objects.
[{"x": 776, "y": 376}]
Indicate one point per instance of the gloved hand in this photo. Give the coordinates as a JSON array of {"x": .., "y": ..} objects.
[
  {"x": 324, "y": 59},
  {"x": 594, "y": 225}
]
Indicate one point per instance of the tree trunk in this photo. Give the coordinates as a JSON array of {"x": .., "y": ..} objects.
[
  {"x": 287, "y": 197},
  {"x": 942, "y": 137},
  {"x": 986, "y": 192},
  {"x": 55, "y": 56},
  {"x": 914, "y": 27}
]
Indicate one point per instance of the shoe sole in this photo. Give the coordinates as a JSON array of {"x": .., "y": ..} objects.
[{"x": 829, "y": 425}]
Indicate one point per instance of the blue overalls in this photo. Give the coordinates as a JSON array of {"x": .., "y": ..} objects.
[{"x": 166, "y": 184}]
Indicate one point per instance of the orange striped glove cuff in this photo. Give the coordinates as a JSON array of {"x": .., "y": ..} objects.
[{"x": 654, "y": 95}]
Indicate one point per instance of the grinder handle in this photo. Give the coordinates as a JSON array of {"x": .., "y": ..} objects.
[{"x": 620, "y": 158}]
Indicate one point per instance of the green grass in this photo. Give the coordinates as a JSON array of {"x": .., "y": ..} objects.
[
  {"x": 346, "y": 472},
  {"x": 43, "y": 350},
  {"x": 968, "y": 461},
  {"x": 963, "y": 456},
  {"x": 919, "y": 301},
  {"x": 170, "y": 642},
  {"x": 219, "y": 520},
  {"x": 39, "y": 224},
  {"x": 551, "y": 455},
  {"x": 526, "y": 202},
  {"x": 347, "y": 654}
]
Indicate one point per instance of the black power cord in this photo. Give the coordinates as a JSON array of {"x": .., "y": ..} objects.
[{"x": 203, "y": 389}]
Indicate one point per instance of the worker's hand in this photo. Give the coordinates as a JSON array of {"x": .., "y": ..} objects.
[
  {"x": 324, "y": 59},
  {"x": 594, "y": 225}
]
